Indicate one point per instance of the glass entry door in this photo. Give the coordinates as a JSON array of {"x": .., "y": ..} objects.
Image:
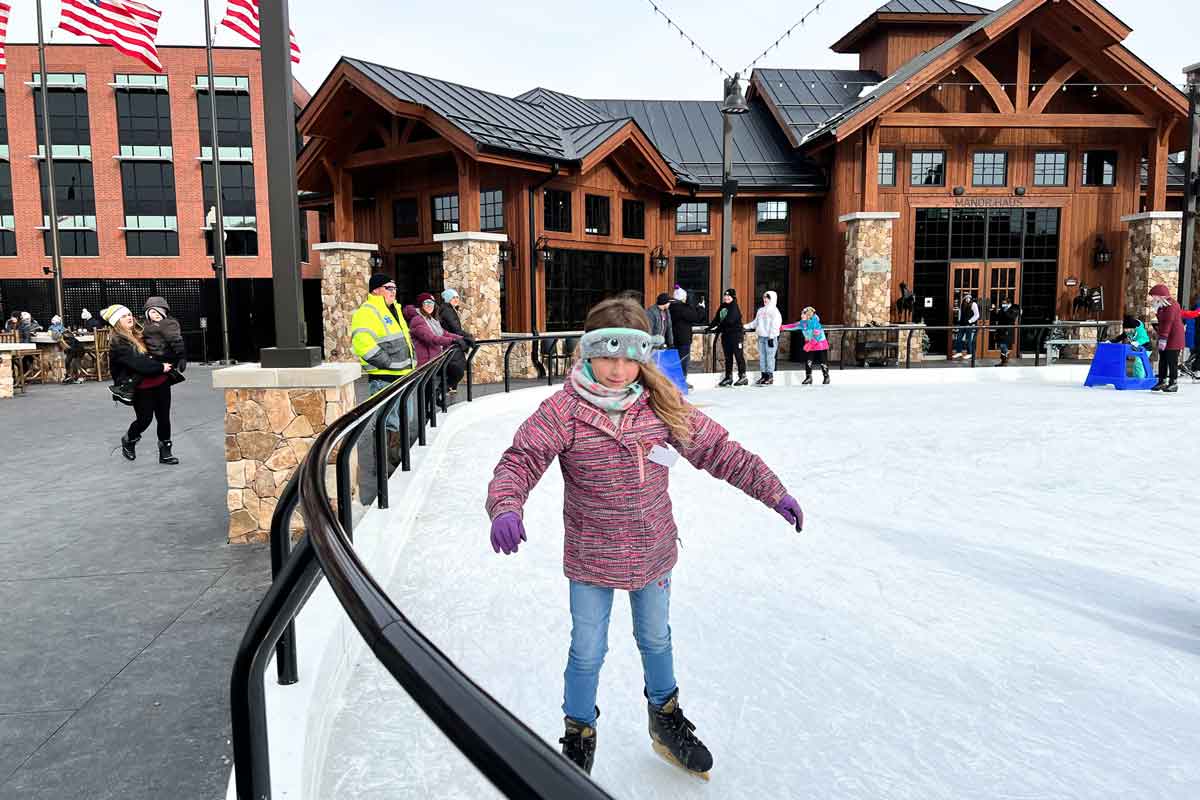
[
  {"x": 1002, "y": 284},
  {"x": 988, "y": 283}
]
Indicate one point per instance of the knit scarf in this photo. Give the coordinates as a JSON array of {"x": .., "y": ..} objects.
[{"x": 606, "y": 399}]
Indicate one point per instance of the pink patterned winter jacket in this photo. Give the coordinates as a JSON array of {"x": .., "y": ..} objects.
[{"x": 620, "y": 532}]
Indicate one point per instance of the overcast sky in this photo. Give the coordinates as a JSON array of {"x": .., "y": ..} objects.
[{"x": 595, "y": 48}]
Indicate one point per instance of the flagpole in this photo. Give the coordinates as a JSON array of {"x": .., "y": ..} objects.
[
  {"x": 52, "y": 200},
  {"x": 218, "y": 234}
]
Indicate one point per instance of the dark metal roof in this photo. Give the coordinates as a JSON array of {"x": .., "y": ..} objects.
[
  {"x": 1175, "y": 173},
  {"x": 688, "y": 133},
  {"x": 930, "y": 7},
  {"x": 910, "y": 69},
  {"x": 583, "y": 139},
  {"x": 806, "y": 98},
  {"x": 569, "y": 110}
]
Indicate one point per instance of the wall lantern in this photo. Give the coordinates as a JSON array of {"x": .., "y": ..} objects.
[
  {"x": 659, "y": 260},
  {"x": 808, "y": 262},
  {"x": 1019, "y": 191},
  {"x": 505, "y": 253},
  {"x": 376, "y": 261},
  {"x": 1101, "y": 255},
  {"x": 542, "y": 246},
  {"x": 959, "y": 191}
]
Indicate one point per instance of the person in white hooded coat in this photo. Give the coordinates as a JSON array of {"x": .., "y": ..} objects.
[{"x": 766, "y": 325}]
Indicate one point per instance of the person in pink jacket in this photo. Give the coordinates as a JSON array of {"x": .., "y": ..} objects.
[
  {"x": 616, "y": 427},
  {"x": 1170, "y": 338},
  {"x": 430, "y": 339}
]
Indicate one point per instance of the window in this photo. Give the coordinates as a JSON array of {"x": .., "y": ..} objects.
[
  {"x": 928, "y": 168},
  {"x": 445, "y": 213},
  {"x": 887, "y": 168},
  {"x": 1041, "y": 234},
  {"x": 491, "y": 210},
  {"x": 68, "y": 120},
  {"x": 691, "y": 218},
  {"x": 692, "y": 273},
  {"x": 8, "y": 237},
  {"x": 557, "y": 210},
  {"x": 633, "y": 219},
  {"x": 577, "y": 279},
  {"x": 3, "y": 123},
  {"x": 989, "y": 169},
  {"x": 1005, "y": 227},
  {"x": 75, "y": 202},
  {"x": 595, "y": 214},
  {"x": 144, "y": 123},
  {"x": 772, "y": 217},
  {"x": 149, "y": 199},
  {"x": 932, "y": 235},
  {"x": 1100, "y": 168},
  {"x": 404, "y": 218},
  {"x": 417, "y": 273},
  {"x": 771, "y": 272},
  {"x": 1050, "y": 169},
  {"x": 968, "y": 233},
  {"x": 233, "y": 125},
  {"x": 238, "y": 206}
]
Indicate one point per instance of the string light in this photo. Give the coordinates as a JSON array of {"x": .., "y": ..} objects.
[
  {"x": 690, "y": 40},
  {"x": 786, "y": 34}
]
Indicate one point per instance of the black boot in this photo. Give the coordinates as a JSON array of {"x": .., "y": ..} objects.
[
  {"x": 741, "y": 381},
  {"x": 762, "y": 378},
  {"x": 726, "y": 381},
  {"x": 807, "y": 376},
  {"x": 1158, "y": 387},
  {"x": 672, "y": 738},
  {"x": 128, "y": 447},
  {"x": 579, "y": 743},
  {"x": 825, "y": 372},
  {"x": 770, "y": 379},
  {"x": 164, "y": 453},
  {"x": 1171, "y": 387}
]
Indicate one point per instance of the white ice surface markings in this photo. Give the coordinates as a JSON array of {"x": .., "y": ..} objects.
[{"x": 991, "y": 599}]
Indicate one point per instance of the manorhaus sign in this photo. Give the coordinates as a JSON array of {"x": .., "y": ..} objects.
[{"x": 989, "y": 202}]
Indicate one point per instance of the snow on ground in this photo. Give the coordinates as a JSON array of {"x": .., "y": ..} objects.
[{"x": 990, "y": 599}]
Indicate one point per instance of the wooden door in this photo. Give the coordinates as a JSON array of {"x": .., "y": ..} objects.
[
  {"x": 1002, "y": 282},
  {"x": 965, "y": 278}
]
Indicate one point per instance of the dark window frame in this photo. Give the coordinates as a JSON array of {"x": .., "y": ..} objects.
[
  {"x": 633, "y": 218},
  {"x": 892, "y": 170},
  {"x": 687, "y": 216},
  {"x": 400, "y": 224},
  {"x": 235, "y": 121},
  {"x": 597, "y": 214},
  {"x": 1053, "y": 169},
  {"x": 768, "y": 224},
  {"x": 989, "y": 168},
  {"x": 926, "y": 166},
  {"x": 79, "y": 131},
  {"x": 138, "y": 128},
  {"x": 491, "y": 210},
  {"x": 238, "y": 197},
  {"x": 445, "y": 213},
  {"x": 1116, "y": 166},
  {"x": 556, "y": 210}
]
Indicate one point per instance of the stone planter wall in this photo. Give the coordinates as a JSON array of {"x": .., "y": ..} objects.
[
  {"x": 6, "y": 376},
  {"x": 268, "y": 432},
  {"x": 868, "y": 268},
  {"x": 471, "y": 266},
  {"x": 345, "y": 273},
  {"x": 1153, "y": 257}
]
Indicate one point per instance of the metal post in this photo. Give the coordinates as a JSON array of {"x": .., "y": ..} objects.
[
  {"x": 727, "y": 190},
  {"x": 218, "y": 232},
  {"x": 51, "y": 199},
  {"x": 280, "y": 120},
  {"x": 1191, "y": 189}
]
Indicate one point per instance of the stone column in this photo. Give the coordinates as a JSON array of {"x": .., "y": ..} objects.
[
  {"x": 1152, "y": 257},
  {"x": 868, "y": 267},
  {"x": 6, "y": 376},
  {"x": 272, "y": 418},
  {"x": 345, "y": 271},
  {"x": 471, "y": 266}
]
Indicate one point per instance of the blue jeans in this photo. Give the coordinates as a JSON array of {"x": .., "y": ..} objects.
[
  {"x": 393, "y": 418},
  {"x": 590, "y": 609},
  {"x": 964, "y": 339},
  {"x": 766, "y": 355}
]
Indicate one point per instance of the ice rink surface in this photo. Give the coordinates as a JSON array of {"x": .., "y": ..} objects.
[{"x": 996, "y": 595}]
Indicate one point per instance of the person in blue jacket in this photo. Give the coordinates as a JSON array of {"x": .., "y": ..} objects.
[{"x": 1192, "y": 365}]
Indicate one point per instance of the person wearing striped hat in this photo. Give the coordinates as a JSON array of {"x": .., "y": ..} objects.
[{"x": 139, "y": 380}]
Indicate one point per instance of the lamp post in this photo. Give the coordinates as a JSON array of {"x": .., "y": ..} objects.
[
  {"x": 1191, "y": 187},
  {"x": 733, "y": 102}
]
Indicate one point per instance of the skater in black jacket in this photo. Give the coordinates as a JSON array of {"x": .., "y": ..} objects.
[
  {"x": 684, "y": 315},
  {"x": 728, "y": 321}
]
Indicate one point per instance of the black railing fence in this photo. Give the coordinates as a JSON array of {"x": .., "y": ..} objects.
[{"x": 515, "y": 759}]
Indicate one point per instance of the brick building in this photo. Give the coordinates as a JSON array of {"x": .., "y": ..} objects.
[{"x": 135, "y": 188}]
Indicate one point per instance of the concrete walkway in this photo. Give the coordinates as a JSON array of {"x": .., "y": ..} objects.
[{"x": 121, "y": 606}]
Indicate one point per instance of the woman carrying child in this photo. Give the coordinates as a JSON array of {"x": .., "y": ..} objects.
[{"x": 132, "y": 365}]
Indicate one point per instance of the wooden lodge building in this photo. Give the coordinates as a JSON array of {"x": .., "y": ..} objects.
[{"x": 1019, "y": 151}]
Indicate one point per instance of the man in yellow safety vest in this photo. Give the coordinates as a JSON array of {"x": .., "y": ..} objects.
[{"x": 381, "y": 340}]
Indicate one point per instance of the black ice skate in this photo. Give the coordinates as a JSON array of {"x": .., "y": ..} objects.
[
  {"x": 1171, "y": 387},
  {"x": 726, "y": 381},
  {"x": 807, "y": 377},
  {"x": 672, "y": 738},
  {"x": 579, "y": 743},
  {"x": 770, "y": 379},
  {"x": 742, "y": 381},
  {"x": 129, "y": 447},
  {"x": 1158, "y": 387},
  {"x": 825, "y": 372}
]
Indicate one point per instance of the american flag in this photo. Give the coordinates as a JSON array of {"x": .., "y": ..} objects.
[
  {"x": 129, "y": 26},
  {"x": 4, "y": 9},
  {"x": 241, "y": 17}
]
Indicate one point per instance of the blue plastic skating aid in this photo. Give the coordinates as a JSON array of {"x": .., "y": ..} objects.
[
  {"x": 1109, "y": 366},
  {"x": 668, "y": 362}
]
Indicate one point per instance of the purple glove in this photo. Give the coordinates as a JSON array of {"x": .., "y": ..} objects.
[
  {"x": 1162, "y": 344},
  {"x": 508, "y": 530},
  {"x": 789, "y": 509}
]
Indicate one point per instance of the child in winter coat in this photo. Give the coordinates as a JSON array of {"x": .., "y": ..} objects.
[
  {"x": 1133, "y": 333},
  {"x": 766, "y": 325},
  {"x": 728, "y": 320},
  {"x": 1170, "y": 338},
  {"x": 612, "y": 427},
  {"x": 815, "y": 343},
  {"x": 162, "y": 334}
]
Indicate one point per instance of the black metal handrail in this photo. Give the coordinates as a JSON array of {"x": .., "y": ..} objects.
[{"x": 510, "y": 755}]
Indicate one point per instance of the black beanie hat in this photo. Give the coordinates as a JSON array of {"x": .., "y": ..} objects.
[
  {"x": 662, "y": 299},
  {"x": 1129, "y": 322},
  {"x": 377, "y": 280},
  {"x": 732, "y": 293}
]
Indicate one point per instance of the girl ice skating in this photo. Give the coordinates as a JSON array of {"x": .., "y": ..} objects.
[
  {"x": 616, "y": 427},
  {"x": 766, "y": 325},
  {"x": 815, "y": 343}
]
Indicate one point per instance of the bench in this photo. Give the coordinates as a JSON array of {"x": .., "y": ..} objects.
[{"x": 1052, "y": 345}]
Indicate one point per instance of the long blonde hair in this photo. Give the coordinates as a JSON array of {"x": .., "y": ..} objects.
[
  {"x": 133, "y": 335},
  {"x": 664, "y": 398}
]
